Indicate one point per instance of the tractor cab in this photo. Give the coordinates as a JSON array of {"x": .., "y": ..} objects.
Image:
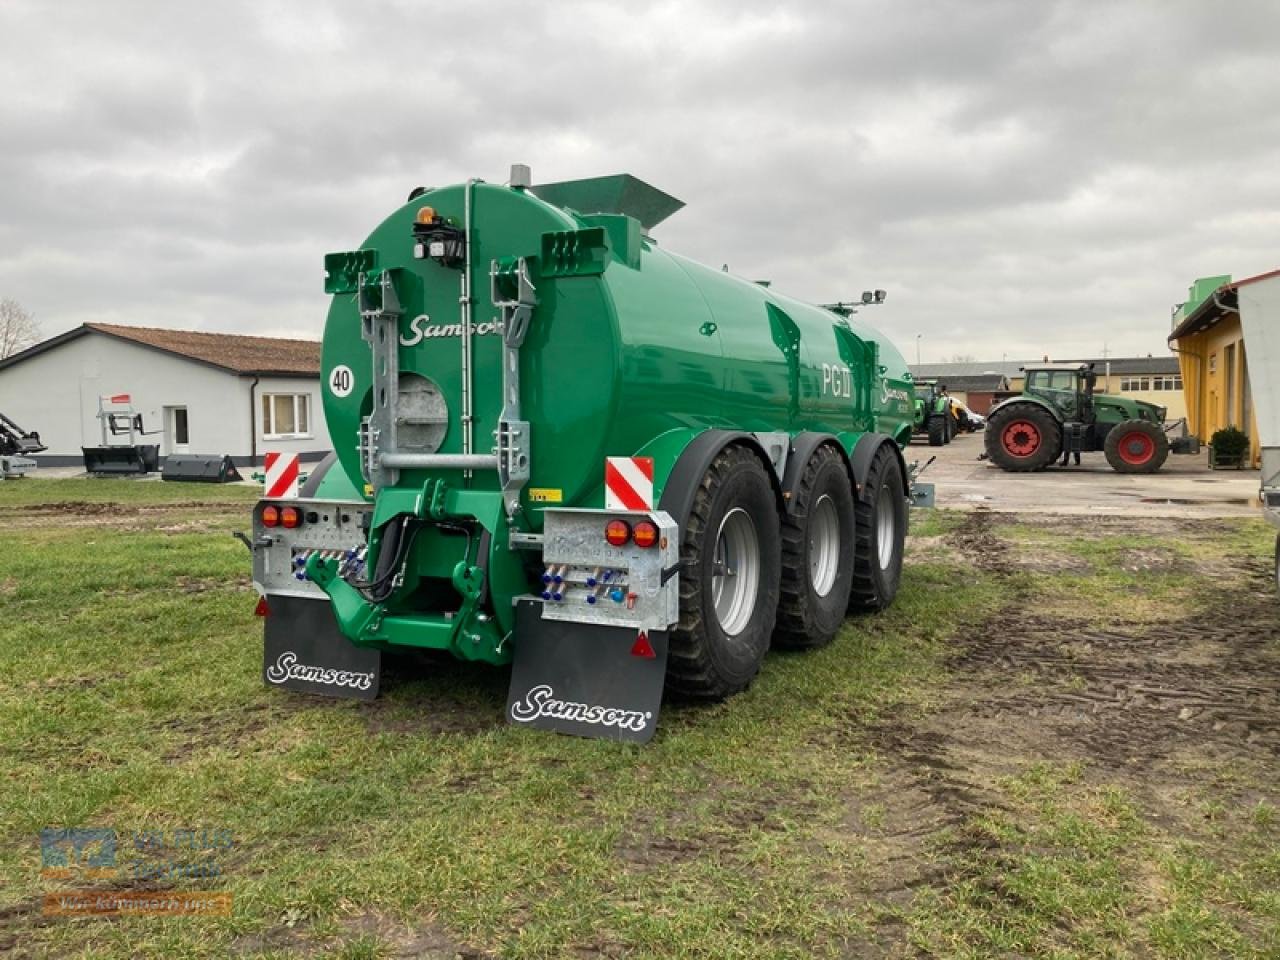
[{"x": 1066, "y": 387}]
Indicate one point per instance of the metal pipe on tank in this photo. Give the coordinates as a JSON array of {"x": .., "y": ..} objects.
[
  {"x": 439, "y": 461},
  {"x": 465, "y": 301}
]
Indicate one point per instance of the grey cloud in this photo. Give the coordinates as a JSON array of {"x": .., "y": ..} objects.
[{"x": 1023, "y": 177}]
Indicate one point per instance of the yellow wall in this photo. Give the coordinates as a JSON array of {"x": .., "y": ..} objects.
[
  {"x": 1173, "y": 401},
  {"x": 1203, "y": 359}
]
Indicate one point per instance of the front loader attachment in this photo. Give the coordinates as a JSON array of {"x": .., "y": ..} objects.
[{"x": 122, "y": 460}]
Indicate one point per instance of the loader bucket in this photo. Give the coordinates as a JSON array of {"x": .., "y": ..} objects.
[
  {"x": 195, "y": 468},
  {"x": 122, "y": 461}
]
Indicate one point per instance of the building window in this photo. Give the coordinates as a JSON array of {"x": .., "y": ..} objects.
[
  {"x": 1229, "y": 365},
  {"x": 286, "y": 415},
  {"x": 1169, "y": 381}
]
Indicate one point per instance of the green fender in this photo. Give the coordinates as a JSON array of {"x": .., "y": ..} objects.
[{"x": 1023, "y": 398}]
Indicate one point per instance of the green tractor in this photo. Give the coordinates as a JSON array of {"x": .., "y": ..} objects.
[
  {"x": 933, "y": 414},
  {"x": 1058, "y": 415}
]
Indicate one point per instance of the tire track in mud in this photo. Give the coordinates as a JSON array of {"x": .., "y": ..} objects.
[{"x": 1131, "y": 700}]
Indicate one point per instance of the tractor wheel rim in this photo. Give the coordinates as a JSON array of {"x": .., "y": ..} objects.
[
  {"x": 886, "y": 527},
  {"x": 824, "y": 545},
  {"x": 1021, "y": 438},
  {"x": 737, "y": 565},
  {"x": 1136, "y": 448}
]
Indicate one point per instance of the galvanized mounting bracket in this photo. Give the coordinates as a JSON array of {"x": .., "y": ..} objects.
[
  {"x": 922, "y": 494},
  {"x": 515, "y": 297},
  {"x": 777, "y": 447},
  {"x": 380, "y": 313}
]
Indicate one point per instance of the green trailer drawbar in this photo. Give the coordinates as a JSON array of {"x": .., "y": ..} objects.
[{"x": 560, "y": 446}]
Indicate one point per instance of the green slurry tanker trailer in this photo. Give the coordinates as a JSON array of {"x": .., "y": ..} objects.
[{"x": 561, "y": 446}]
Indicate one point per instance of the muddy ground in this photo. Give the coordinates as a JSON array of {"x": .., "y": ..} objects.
[{"x": 1182, "y": 712}]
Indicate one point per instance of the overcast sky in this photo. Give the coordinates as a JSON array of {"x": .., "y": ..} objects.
[{"x": 1023, "y": 177}]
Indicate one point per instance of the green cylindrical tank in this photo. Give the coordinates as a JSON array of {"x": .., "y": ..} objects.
[
  {"x": 655, "y": 346},
  {"x": 631, "y": 351}
]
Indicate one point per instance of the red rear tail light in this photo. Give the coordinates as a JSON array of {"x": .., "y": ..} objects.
[
  {"x": 290, "y": 517},
  {"x": 645, "y": 534},
  {"x": 617, "y": 532},
  {"x": 270, "y": 516}
]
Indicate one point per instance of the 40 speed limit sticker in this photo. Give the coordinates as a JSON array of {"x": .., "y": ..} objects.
[{"x": 341, "y": 381}]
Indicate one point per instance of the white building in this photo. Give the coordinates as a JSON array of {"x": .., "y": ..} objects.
[{"x": 202, "y": 393}]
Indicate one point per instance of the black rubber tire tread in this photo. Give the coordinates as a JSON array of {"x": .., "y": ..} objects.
[
  {"x": 937, "y": 430},
  {"x": 703, "y": 662},
  {"x": 1111, "y": 446},
  {"x": 1278, "y": 564},
  {"x": 1050, "y": 433},
  {"x": 806, "y": 620},
  {"x": 313, "y": 479},
  {"x": 873, "y": 587}
]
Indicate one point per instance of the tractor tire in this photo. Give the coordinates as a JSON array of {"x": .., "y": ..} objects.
[
  {"x": 729, "y": 580},
  {"x": 817, "y": 554},
  {"x": 937, "y": 430},
  {"x": 1136, "y": 446},
  {"x": 1023, "y": 438},
  {"x": 880, "y": 528}
]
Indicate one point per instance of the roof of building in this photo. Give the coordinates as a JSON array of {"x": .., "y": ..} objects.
[
  {"x": 1217, "y": 305},
  {"x": 235, "y": 353},
  {"x": 979, "y": 383},
  {"x": 1123, "y": 365},
  {"x": 930, "y": 371},
  {"x": 1012, "y": 369}
]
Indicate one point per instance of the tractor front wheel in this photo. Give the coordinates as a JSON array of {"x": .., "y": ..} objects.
[
  {"x": 1136, "y": 446},
  {"x": 1023, "y": 438},
  {"x": 729, "y": 580}
]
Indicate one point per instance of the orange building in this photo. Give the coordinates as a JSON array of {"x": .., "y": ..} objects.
[{"x": 1210, "y": 337}]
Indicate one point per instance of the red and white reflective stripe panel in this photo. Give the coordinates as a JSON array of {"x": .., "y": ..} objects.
[
  {"x": 628, "y": 483},
  {"x": 282, "y": 474}
]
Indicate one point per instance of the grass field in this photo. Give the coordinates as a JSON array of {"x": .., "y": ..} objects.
[{"x": 1061, "y": 741}]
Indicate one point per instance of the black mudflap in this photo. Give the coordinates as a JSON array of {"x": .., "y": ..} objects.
[
  {"x": 305, "y": 651},
  {"x": 585, "y": 679}
]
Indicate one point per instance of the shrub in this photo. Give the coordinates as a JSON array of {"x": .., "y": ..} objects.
[{"x": 1229, "y": 444}]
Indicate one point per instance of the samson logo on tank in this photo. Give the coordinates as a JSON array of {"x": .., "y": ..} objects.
[
  {"x": 421, "y": 328},
  {"x": 888, "y": 394}
]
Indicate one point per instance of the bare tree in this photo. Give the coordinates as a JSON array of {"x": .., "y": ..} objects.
[
  {"x": 18, "y": 329},
  {"x": 963, "y": 358}
]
